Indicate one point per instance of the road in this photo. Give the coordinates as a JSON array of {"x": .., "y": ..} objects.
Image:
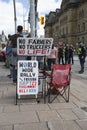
[{"x": 76, "y": 68}]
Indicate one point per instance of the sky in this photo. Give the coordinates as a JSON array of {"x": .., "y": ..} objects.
[{"x": 22, "y": 10}]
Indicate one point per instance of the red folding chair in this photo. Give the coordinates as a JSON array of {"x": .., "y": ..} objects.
[{"x": 60, "y": 82}]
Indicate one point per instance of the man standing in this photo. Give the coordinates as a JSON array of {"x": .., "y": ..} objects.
[
  {"x": 71, "y": 51},
  {"x": 66, "y": 53},
  {"x": 60, "y": 55},
  {"x": 14, "y": 51},
  {"x": 81, "y": 51}
]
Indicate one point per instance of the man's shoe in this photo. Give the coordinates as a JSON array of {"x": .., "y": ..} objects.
[
  {"x": 9, "y": 75},
  {"x": 80, "y": 72},
  {"x": 14, "y": 81}
]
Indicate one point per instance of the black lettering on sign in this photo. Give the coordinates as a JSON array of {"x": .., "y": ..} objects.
[
  {"x": 21, "y": 46},
  {"x": 21, "y": 64},
  {"x": 22, "y": 41}
]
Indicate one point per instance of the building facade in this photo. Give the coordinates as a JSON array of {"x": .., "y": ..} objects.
[{"x": 69, "y": 23}]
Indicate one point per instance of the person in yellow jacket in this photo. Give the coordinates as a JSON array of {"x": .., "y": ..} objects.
[{"x": 81, "y": 51}]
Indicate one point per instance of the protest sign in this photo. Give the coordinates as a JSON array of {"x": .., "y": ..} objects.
[
  {"x": 27, "y": 77},
  {"x": 34, "y": 46}
]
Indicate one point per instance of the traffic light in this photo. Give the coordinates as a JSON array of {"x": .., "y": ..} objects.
[{"x": 42, "y": 20}]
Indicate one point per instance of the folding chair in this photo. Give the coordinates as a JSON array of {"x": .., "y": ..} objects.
[{"x": 60, "y": 82}]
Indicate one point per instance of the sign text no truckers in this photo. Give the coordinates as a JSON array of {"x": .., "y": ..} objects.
[{"x": 34, "y": 46}]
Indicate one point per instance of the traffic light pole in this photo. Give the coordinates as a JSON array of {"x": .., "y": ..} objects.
[
  {"x": 15, "y": 19},
  {"x": 32, "y": 17}
]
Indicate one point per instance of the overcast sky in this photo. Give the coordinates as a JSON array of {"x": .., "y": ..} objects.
[{"x": 22, "y": 10}]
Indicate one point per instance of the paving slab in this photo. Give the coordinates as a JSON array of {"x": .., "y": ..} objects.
[
  {"x": 82, "y": 124},
  {"x": 48, "y": 115},
  {"x": 32, "y": 126},
  {"x": 0, "y": 94},
  {"x": 18, "y": 118},
  {"x": 63, "y": 125},
  {"x": 67, "y": 114},
  {"x": 63, "y": 105},
  {"x": 1, "y": 109},
  {"x": 77, "y": 102},
  {"x": 7, "y": 101},
  {"x": 34, "y": 107},
  {"x": 6, "y": 127},
  {"x": 81, "y": 114},
  {"x": 11, "y": 109}
]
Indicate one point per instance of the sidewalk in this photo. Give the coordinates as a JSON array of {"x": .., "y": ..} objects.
[{"x": 29, "y": 115}]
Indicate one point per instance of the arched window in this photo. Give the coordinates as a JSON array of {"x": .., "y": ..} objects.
[
  {"x": 78, "y": 30},
  {"x": 83, "y": 26},
  {"x": 83, "y": 40}
]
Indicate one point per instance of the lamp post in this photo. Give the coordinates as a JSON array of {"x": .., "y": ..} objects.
[
  {"x": 36, "y": 16},
  {"x": 33, "y": 17},
  {"x": 15, "y": 19}
]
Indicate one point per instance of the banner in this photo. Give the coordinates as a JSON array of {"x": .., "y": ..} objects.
[
  {"x": 34, "y": 46},
  {"x": 27, "y": 77}
]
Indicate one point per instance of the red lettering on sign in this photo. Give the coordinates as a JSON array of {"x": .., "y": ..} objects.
[
  {"x": 23, "y": 90},
  {"x": 21, "y": 51},
  {"x": 30, "y": 52},
  {"x": 38, "y": 51},
  {"x": 43, "y": 51}
]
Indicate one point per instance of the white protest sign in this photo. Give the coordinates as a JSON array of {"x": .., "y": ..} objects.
[
  {"x": 27, "y": 77},
  {"x": 34, "y": 46}
]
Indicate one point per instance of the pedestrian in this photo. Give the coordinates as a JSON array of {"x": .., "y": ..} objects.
[
  {"x": 40, "y": 60},
  {"x": 8, "y": 56},
  {"x": 60, "y": 55},
  {"x": 3, "y": 38},
  {"x": 66, "y": 53},
  {"x": 51, "y": 59},
  {"x": 15, "y": 57},
  {"x": 71, "y": 51},
  {"x": 81, "y": 51}
]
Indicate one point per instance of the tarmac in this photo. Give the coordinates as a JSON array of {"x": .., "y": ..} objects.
[{"x": 30, "y": 115}]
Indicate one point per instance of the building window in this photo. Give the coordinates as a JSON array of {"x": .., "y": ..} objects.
[
  {"x": 83, "y": 26},
  {"x": 56, "y": 28},
  {"x": 83, "y": 40},
  {"x": 78, "y": 28},
  {"x": 81, "y": 14},
  {"x": 66, "y": 30},
  {"x": 63, "y": 31},
  {"x": 60, "y": 31},
  {"x": 78, "y": 40}
]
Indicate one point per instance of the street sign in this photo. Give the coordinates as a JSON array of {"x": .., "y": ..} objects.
[
  {"x": 34, "y": 46},
  {"x": 27, "y": 77}
]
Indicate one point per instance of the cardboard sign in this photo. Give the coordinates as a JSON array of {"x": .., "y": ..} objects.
[
  {"x": 27, "y": 77},
  {"x": 34, "y": 46}
]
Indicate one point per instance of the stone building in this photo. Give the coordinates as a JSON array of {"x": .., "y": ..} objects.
[{"x": 69, "y": 23}]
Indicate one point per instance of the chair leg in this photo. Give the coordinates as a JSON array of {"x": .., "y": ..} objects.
[
  {"x": 63, "y": 93},
  {"x": 49, "y": 95},
  {"x": 66, "y": 96}
]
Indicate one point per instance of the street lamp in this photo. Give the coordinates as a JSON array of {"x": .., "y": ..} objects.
[
  {"x": 32, "y": 18},
  {"x": 36, "y": 16},
  {"x": 15, "y": 19}
]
